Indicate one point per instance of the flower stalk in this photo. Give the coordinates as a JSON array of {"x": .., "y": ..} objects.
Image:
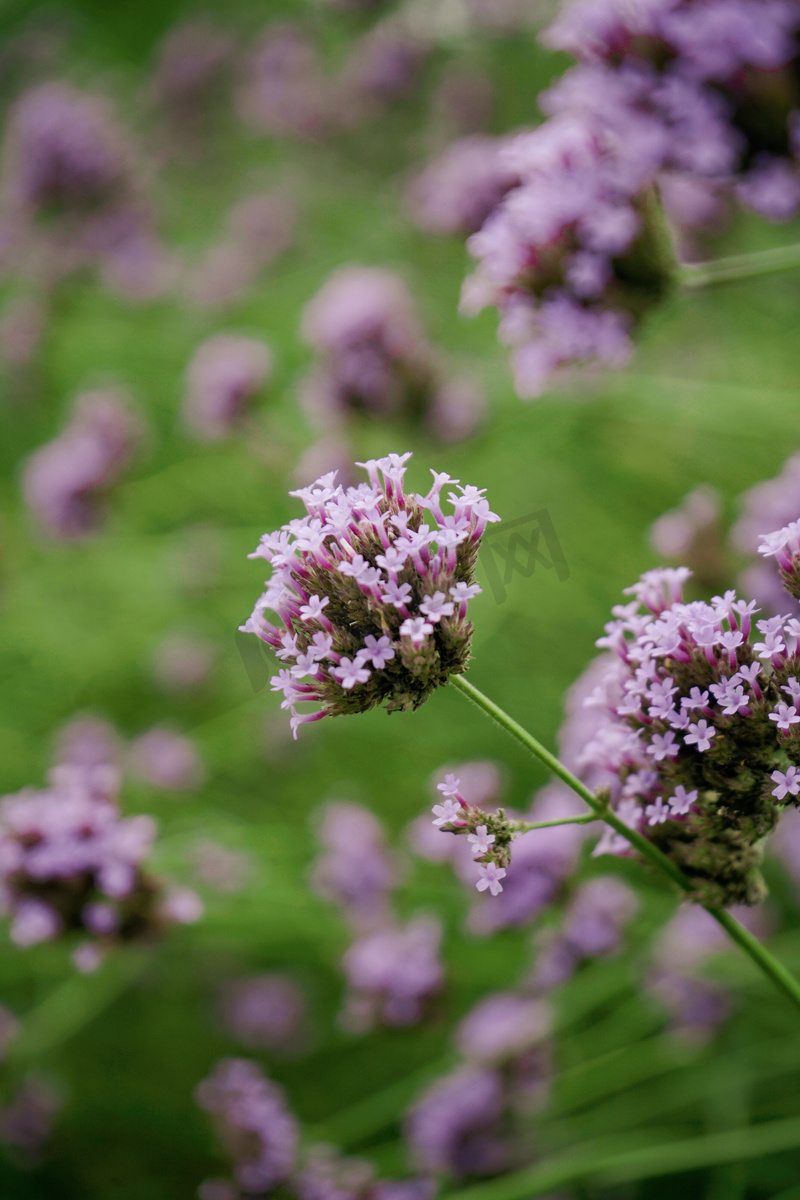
[{"x": 740, "y": 266}]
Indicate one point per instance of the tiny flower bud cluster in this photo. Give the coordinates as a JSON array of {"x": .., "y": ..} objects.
[
  {"x": 543, "y": 858},
  {"x": 489, "y": 834},
  {"x": 371, "y": 593},
  {"x": 69, "y": 861},
  {"x": 701, "y": 736}
]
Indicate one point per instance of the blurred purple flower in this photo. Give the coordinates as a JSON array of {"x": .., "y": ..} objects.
[
  {"x": 392, "y": 973},
  {"x": 253, "y": 1123},
  {"x": 64, "y": 481},
  {"x": 224, "y": 375},
  {"x": 264, "y": 1012},
  {"x": 355, "y": 871},
  {"x": 167, "y": 760},
  {"x": 456, "y": 1127},
  {"x": 70, "y": 861}
]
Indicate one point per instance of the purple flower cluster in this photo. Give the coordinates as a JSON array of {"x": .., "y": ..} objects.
[
  {"x": 355, "y": 872},
  {"x": 575, "y": 254},
  {"x": 696, "y": 1006},
  {"x": 262, "y": 1137},
  {"x": 392, "y": 973},
  {"x": 194, "y": 61},
  {"x": 70, "y": 861},
  {"x": 166, "y": 759},
  {"x": 374, "y": 358},
  {"x": 224, "y": 375},
  {"x": 372, "y": 595},
  {"x": 693, "y": 97},
  {"x": 699, "y": 737},
  {"x": 713, "y": 82},
  {"x": 258, "y": 229},
  {"x": 64, "y": 481},
  {"x": 284, "y": 91}
]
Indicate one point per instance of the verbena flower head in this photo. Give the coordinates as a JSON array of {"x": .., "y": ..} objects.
[
  {"x": 371, "y": 588},
  {"x": 592, "y": 927},
  {"x": 715, "y": 78},
  {"x": 393, "y": 973},
  {"x": 700, "y": 732},
  {"x": 69, "y": 861},
  {"x": 356, "y": 871},
  {"x": 457, "y": 1128},
  {"x": 64, "y": 151}
]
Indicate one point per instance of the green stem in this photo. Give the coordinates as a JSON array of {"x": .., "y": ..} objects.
[
  {"x": 527, "y": 826},
  {"x": 743, "y": 938},
  {"x": 740, "y": 266}
]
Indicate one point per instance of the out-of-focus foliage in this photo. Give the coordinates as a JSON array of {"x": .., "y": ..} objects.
[{"x": 711, "y": 397}]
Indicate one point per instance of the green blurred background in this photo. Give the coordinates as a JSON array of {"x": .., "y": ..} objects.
[{"x": 712, "y": 396}]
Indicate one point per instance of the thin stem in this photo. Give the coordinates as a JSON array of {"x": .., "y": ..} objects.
[
  {"x": 743, "y": 938},
  {"x": 740, "y": 266},
  {"x": 527, "y": 826}
]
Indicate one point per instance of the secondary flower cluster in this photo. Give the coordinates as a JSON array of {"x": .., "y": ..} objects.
[
  {"x": 70, "y": 862},
  {"x": 374, "y": 358},
  {"x": 699, "y": 738},
  {"x": 543, "y": 859},
  {"x": 372, "y": 593},
  {"x": 262, "y": 1138}
]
